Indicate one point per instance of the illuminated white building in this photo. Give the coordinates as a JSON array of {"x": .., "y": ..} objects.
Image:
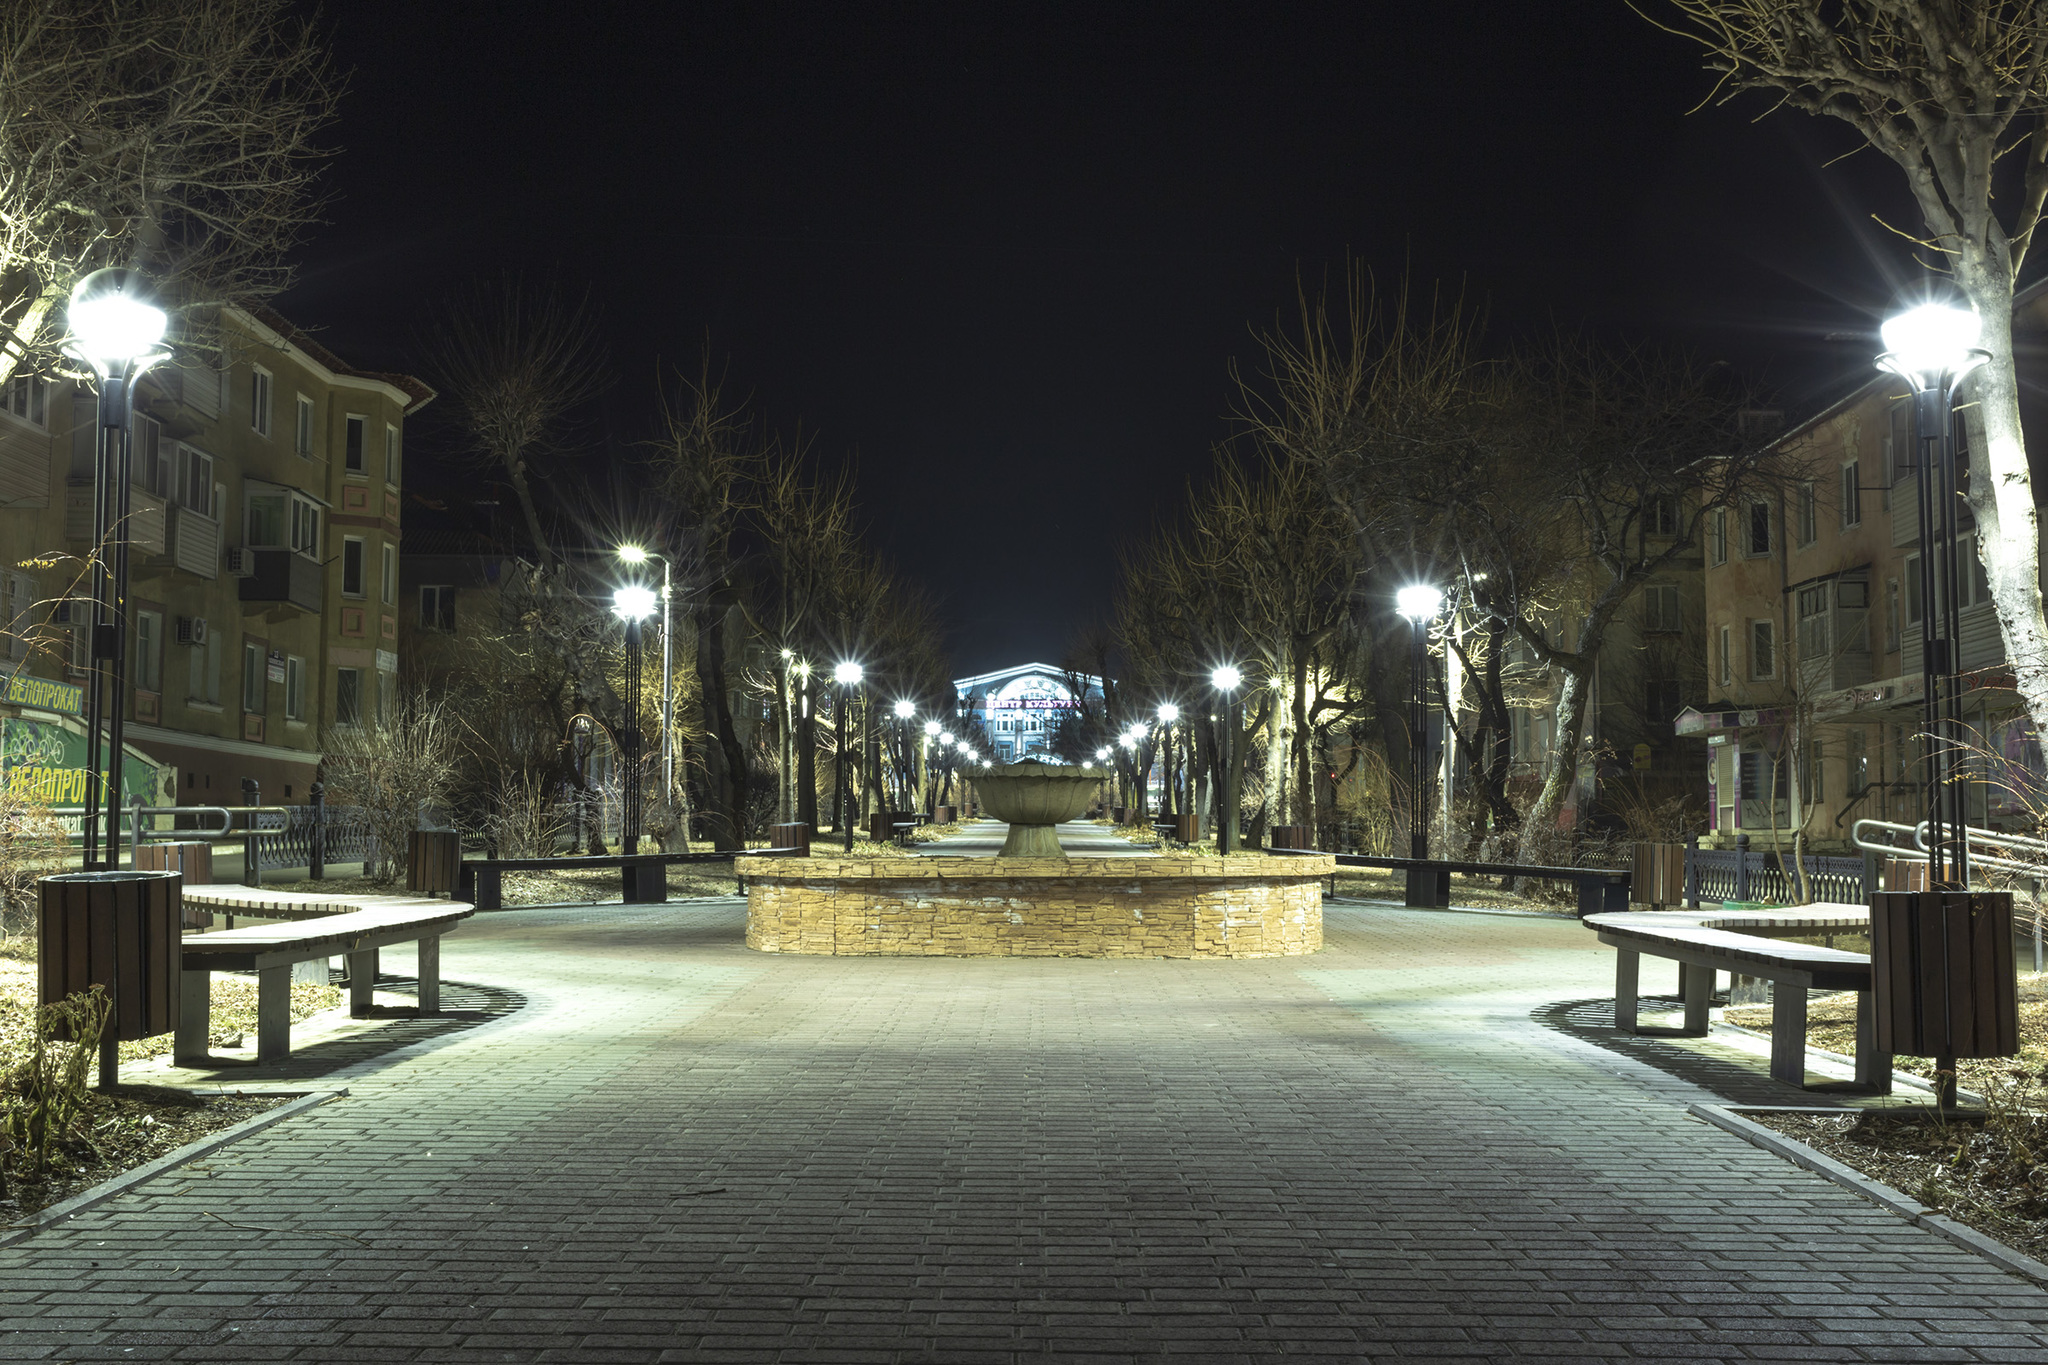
[{"x": 1019, "y": 707}]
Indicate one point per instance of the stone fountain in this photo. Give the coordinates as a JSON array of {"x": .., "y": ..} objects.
[{"x": 1032, "y": 797}]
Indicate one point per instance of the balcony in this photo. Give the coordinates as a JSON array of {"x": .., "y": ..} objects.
[
  {"x": 195, "y": 542},
  {"x": 283, "y": 578}
]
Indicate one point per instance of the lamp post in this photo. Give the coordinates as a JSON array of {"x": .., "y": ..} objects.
[
  {"x": 634, "y": 554},
  {"x": 1169, "y": 797},
  {"x": 806, "y": 751},
  {"x": 906, "y": 711},
  {"x": 1420, "y": 605},
  {"x": 928, "y": 791},
  {"x": 1933, "y": 347},
  {"x": 115, "y": 329},
  {"x": 848, "y": 676},
  {"x": 1227, "y": 679},
  {"x": 632, "y": 604}
]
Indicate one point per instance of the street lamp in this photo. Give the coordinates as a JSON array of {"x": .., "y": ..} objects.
[
  {"x": 634, "y": 554},
  {"x": 116, "y": 327},
  {"x": 1933, "y": 347},
  {"x": 1227, "y": 679},
  {"x": 632, "y": 604},
  {"x": 1420, "y": 604},
  {"x": 1169, "y": 798},
  {"x": 848, "y": 676}
]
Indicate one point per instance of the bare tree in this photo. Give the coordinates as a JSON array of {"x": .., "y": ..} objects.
[
  {"x": 1955, "y": 93},
  {"x": 393, "y": 768},
  {"x": 178, "y": 136},
  {"x": 514, "y": 361}
]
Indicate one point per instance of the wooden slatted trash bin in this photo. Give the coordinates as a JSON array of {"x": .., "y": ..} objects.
[
  {"x": 433, "y": 860},
  {"x": 194, "y": 859},
  {"x": 1942, "y": 976},
  {"x": 119, "y": 931}
]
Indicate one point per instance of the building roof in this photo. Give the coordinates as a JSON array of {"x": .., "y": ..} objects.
[
  {"x": 1003, "y": 675},
  {"x": 418, "y": 392}
]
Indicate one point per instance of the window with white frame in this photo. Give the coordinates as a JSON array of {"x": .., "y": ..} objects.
[
  {"x": 388, "y": 583},
  {"x": 1756, "y": 528},
  {"x": 1661, "y": 611},
  {"x": 149, "y": 466},
  {"x": 29, "y": 399},
  {"x": 1809, "y": 521},
  {"x": 387, "y": 696},
  {"x": 194, "y": 480},
  {"x": 1660, "y": 516},
  {"x": 355, "y": 431},
  {"x": 348, "y": 696},
  {"x": 149, "y": 650},
  {"x": 294, "y": 687},
  {"x": 1763, "y": 649},
  {"x": 1973, "y": 585},
  {"x": 1717, "y": 536},
  {"x": 1852, "y": 494},
  {"x": 252, "y": 677},
  {"x": 259, "y": 400},
  {"x": 203, "y": 671},
  {"x": 437, "y": 606},
  {"x": 391, "y": 455},
  {"x": 1813, "y": 623},
  {"x": 281, "y": 519},
  {"x": 352, "y": 566},
  {"x": 1727, "y": 652},
  {"x": 302, "y": 428}
]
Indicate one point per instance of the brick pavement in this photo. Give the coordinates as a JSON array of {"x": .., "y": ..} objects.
[{"x": 678, "y": 1151}]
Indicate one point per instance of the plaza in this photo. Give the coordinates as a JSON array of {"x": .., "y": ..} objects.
[{"x": 635, "y": 1140}]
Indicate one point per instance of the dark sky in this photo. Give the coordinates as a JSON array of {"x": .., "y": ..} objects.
[{"x": 1003, "y": 255}]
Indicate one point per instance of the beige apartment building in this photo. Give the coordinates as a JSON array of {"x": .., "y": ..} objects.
[
  {"x": 265, "y": 537},
  {"x": 1813, "y": 638}
]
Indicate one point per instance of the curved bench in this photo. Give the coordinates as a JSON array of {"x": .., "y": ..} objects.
[{"x": 1703, "y": 942}]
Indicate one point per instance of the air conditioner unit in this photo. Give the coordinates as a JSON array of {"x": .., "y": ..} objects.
[
  {"x": 191, "y": 630},
  {"x": 241, "y": 562}
]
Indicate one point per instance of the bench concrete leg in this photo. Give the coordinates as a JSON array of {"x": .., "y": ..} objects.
[
  {"x": 195, "y": 1016},
  {"x": 1873, "y": 1068},
  {"x": 1696, "y": 984},
  {"x": 1788, "y": 1033},
  {"x": 362, "y": 980},
  {"x": 1628, "y": 967},
  {"x": 430, "y": 975},
  {"x": 273, "y": 1013}
]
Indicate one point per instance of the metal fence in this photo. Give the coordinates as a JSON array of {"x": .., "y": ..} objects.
[
  {"x": 339, "y": 834},
  {"x": 1745, "y": 874}
]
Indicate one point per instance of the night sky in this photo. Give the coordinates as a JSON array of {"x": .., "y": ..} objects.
[{"x": 1003, "y": 255}]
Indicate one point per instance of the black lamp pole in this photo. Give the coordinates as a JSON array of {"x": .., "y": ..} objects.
[
  {"x": 630, "y": 793},
  {"x": 841, "y": 786}
]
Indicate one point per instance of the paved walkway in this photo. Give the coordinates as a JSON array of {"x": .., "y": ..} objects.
[
  {"x": 1080, "y": 838},
  {"x": 680, "y": 1151}
]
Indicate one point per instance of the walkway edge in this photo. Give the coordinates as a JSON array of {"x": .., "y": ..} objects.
[
  {"x": 170, "y": 1161},
  {"x": 1883, "y": 1195}
]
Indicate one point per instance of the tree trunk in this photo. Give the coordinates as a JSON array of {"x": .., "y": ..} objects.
[
  {"x": 1563, "y": 769},
  {"x": 1297, "y": 708},
  {"x": 725, "y": 763}
]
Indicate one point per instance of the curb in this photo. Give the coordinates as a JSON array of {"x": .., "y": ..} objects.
[
  {"x": 1884, "y": 1196},
  {"x": 170, "y": 1161}
]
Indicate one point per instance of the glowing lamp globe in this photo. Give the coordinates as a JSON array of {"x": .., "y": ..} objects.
[
  {"x": 931, "y": 727},
  {"x": 846, "y": 675},
  {"x": 1931, "y": 340},
  {"x": 1419, "y": 603},
  {"x": 113, "y": 319},
  {"x": 1226, "y": 678},
  {"x": 906, "y": 709},
  {"x": 633, "y": 554},
  {"x": 634, "y": 603},
  {"x": 1168, "y": 713}
]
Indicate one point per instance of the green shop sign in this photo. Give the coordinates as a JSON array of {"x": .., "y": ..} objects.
[
  {"x": 64, "y": 698},
  {"x": 45, "y": 760}
]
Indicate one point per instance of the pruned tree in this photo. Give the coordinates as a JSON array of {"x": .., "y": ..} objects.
[
  {"x": 181, "y": 137},
  {"x": 393, "y": 768},
  {"x": 1955, "y": 93}
]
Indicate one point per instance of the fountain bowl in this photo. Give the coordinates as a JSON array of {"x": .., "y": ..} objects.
[{"x": 1032, "y": 797}]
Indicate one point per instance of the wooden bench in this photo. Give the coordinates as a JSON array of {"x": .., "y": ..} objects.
[
  {"x": 1429, "y": 879},
  {"x": 271, "y": 950},
  {"x": 643, "y": 877},
  {"x": 1703, "y": 942}
]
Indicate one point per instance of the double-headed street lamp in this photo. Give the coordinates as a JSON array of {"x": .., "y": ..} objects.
[
  {"x": 1226, "y": 679},
  {"x": 634, "y": 554},
  {"x": 1420, "y": 605},
  {"x": 632, "y": 604},
  {"x": 116, "y": 327},
  {"x": 1933, "y": 347},
  {"x": 848, "y": 676}
]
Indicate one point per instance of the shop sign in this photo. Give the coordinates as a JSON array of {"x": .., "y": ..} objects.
[
  {"x": 45, "y": 761},
  {"x": 273, "y": 667},
  {"x": 67, "y": 699}
]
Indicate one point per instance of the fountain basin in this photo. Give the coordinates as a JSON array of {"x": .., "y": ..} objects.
[
  {"x": 1167, "y": 906},
  {"x": 1032, "y": 797}
]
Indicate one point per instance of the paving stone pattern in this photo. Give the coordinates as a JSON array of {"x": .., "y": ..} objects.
[{"x": 680, "y": 1151}]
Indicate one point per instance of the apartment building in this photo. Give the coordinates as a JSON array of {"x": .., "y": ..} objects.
[
  {"x": 1814, "y": 629},
  {"x": 265, "y": 538}
]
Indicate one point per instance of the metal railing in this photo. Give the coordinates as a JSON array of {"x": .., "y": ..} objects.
[
  {"x": 273, "y": 837},
  {"x": 1916, "y": 851},
  {"x": 1745, "y": 874}
]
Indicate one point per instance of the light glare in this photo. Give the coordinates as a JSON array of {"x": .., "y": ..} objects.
[
  {"x": 1226, "y": 678},
  {"x": 634, "y": 603},
  {"x": 1931, "y": 340},
  {"x": 1420, "y": 602}
]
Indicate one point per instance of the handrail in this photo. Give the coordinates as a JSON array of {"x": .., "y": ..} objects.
[{"x": 1971, "y": 835}]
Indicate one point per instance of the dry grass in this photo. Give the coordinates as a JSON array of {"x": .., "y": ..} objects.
[
  {"x": 1831, "y": 1024},
  {"x": 123, "y": 1131}
]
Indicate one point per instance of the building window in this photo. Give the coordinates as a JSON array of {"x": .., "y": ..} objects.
[
  {"x": 1717, "y": 537},
  {"x": 194, "y": 486},
  {"x": 1975, "y": 586},
  {"x": 1756, "y": 528},
  {"x": 1857, "y": 768},
  {"x": 150, "y": 469},
  {"x": 149, "y": 651},
  {"x": 437, "y": 606},
  {"x": 387, "y": 696},
  {"x": 1813, "y": 623},
  {"x": 348, "y": 696},
  {"x": 1763, "y": 649},
  {"x": 1891, "y": 616},
  {"x": 1912, "y": 590},
  {"x": 389, "y": 583},
  {"x": 1852, "y": 494},
  {"x": 302, "y": 433},
  {"x": 391, "y": 456},
  {"x": 259, "y": 400},
  {"x": 282, "y": 521},
  {"x": 252, "y": 677},
  {"x": 352, "y": 566},
  {"x": 294, "y": 688},
  {"x": 1809, "y": 530},
  {"x": 355, "y": 434},
  {"x": 1727, "y": 656},
  {"x": 1660, "y": 517},
  {"x": 204, "y": 663},
  {"x": 29, "y": 399},
  {"x": 19, "y": 608},
  {"x": 1898, "y": 446},
  {"x": 306, "y": 528},
  {"x": 1660, "y": 607}
]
